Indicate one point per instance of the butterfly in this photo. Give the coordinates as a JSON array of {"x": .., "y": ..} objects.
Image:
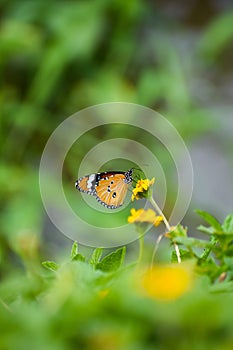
[{"x": 109, "y": 187}]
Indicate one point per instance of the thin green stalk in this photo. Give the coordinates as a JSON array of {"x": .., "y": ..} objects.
[
  {"x": 159, "y": 211},
  {"x": 141, "y": 247},
  {"x": 156, "y": 247}
]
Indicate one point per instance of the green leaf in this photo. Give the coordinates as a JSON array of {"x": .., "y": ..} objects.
[
  {"x": 228, "y": 224},
  {"x": 229, "y": 250},
  {"x": 78, "y": 257},
  {"x": 74, "y": 250},
  {"x": 210, "y": 219},
  {"x": 75, "y": 255},
  {"x": 207, "y": 251},
  {"x": 226, "y": 287},
  {"x": 218, "y": 36},
  {"x": 96, "y": 255},
  {"x": 193, "y": 242},
  {"x": 184, "y": 254},
  {"x": 113, "y": 261},
  {"x": 50, "y": 265},
  {"x": 208, "y": 268},
  {"x": 228, "y": 260},
  {"x": 178, "y": 231},
  {"x": 210, "y": 230}
]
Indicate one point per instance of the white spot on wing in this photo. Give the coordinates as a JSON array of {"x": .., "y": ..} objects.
[{"x": 90, "y": 181}]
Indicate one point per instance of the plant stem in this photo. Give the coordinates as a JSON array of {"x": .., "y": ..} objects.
[
  {"x": 177, "y": 252},
  {"x": 159, "y": 211},
  {"x": 141, "y": 247},
  {"x": 156, "y": 247}
]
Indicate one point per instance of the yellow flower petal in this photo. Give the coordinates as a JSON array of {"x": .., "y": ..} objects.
[
  {"x": 135, "y": 214},
  {"x": 142, "y": 215},
  {"x": 158, "y": 220},
  {"x": 142, "y": 188}
]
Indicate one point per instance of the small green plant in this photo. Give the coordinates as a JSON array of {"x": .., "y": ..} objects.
[
  {"x": 105, "y": 301},
  {"x": 212, "y": 257}
]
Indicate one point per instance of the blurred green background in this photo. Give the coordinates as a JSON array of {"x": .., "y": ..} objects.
[{"x": 57, "y": 57}]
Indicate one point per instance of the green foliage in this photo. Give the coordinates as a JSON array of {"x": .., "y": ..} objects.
[
  {"x": 96, "y": 255},
  {"x": 214, "y": 256},
  {"x": 113, "y": 261},
  {"x": 96, "y": 304},
  {"x": 210, "y": 219},
  {"x": 49, "y": 71},
  {"x": 110, "y": 263},
  {"x": 222, "y": 32},
  {"x": 75, "y": 255},
  {"x": 57, "y": 57},
  {"x": 228, "y": 224},
  {"x": 50, "y": 265}
]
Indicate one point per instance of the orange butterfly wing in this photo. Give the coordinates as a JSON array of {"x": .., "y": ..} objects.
[
  {"x": 86, "y": 184},
  {"x": 109, "y": 188},
  {"x": 111, "y": 191}
]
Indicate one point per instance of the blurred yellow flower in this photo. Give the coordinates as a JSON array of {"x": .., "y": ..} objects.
[
  {"x": 142, "y": 215},
  {"x": 141, "y": 189},
  {"x": 167, "y": 282}
]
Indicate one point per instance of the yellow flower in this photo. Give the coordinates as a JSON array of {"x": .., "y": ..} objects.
[
  {"x": 167, "y": 282},
  {"x": 142, "y": 215},
  {"x": 142, "y": 188}
]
